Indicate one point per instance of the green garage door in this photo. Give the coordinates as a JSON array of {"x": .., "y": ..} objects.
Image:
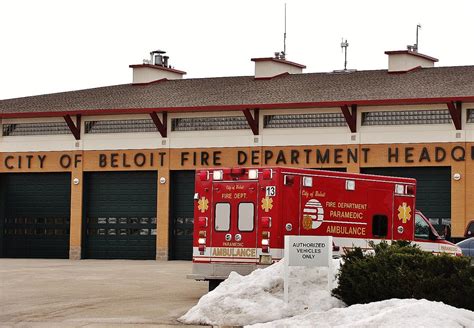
[
  {"x": 433, "y": 196},
  {"x": 35, "y": 215},
  {"x": 181, "y": 215},
  {"x": 120, "y": 215}
]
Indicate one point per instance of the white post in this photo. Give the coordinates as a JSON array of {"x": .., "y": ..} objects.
[{"x": 330, "y": 266}]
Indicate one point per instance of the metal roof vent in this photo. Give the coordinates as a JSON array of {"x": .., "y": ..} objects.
[{"x": 154, "y": 69}]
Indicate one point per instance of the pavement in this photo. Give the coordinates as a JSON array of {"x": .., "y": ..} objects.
[{"x": 95, "y": 293}]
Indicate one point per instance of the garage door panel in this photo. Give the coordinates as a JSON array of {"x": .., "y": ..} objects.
[
  {"x": 182, "y": 214},
  {"x": 36, "y": 215},
  {"x": 120, "y": 215}
]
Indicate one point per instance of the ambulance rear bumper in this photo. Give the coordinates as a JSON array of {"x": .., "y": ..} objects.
[{"x": 220, "y": 271}]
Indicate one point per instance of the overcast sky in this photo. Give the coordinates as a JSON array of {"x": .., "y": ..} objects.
[{"x": 51, "y": 46}]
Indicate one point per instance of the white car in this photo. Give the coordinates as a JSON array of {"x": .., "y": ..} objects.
[{"x": 467, "y": 247}]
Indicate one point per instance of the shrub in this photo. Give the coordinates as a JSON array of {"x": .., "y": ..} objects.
[{"x": 402, "y": 270}]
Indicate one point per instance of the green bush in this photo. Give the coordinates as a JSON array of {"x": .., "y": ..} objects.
[{"x": 402, "y": 270}]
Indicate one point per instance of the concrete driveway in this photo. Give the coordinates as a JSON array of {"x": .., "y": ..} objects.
[{"x": 95, "y": 293}]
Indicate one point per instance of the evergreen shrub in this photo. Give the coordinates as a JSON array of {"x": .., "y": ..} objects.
[{"x": 402, "y": 270}]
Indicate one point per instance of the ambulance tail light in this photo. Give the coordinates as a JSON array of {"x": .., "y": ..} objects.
[
  {"x": 267, "y": 174},
  {"x": 204, "y": 175},
  {"x": 253, "y": 174},
  {"x": 202, "y": 243},
  {"x": 202, "y": 222},
  {"x": 266, "y": 222},
  {"x": 265, "y": 241},
  {"x": 218, "y": 175}
]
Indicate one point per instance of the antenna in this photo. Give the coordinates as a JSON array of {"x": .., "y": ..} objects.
[
  {"x": 415, "y": 46},
  {"x": 284, "y": 37},
  {"x": 344, "y": 46},
  {"x": 418, "y": 26},
  {"x": 282, "y": 54}
]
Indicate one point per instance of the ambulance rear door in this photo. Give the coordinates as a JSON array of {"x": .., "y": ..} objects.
[{"x": 233, "y": 224}]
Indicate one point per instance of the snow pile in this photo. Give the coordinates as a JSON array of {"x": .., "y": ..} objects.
[
  {"x": 258, "y": 297},
  {"x": 389, "y": 313}
]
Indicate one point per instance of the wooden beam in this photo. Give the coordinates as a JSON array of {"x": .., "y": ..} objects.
[
  {"x": 455, "y": 111},
  {"x": 350, "y": 116},
  {"x": 161, "y": 126},
  {"x": 75, "y": 128},
  {"x": 252, "y": 120}
]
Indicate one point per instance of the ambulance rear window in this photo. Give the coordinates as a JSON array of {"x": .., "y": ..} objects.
[
  {"x": 246, "y": 216},
  {"x": 222, "y": 219}
]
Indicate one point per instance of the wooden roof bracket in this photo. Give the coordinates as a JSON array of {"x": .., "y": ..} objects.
[
  {"x": 455, "y": 112},
  {"x": 350, "y": 116},
  {"x": 252, "y": 120},
  {"x": 161, "y": 126},
  {"x": 75, "y": 128}
]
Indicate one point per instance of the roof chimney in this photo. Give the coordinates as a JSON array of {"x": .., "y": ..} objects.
[
  {"x": 154, "y": 69},
  {"x": 400, "y": 61},
  {"x": 266, "y": 68}
]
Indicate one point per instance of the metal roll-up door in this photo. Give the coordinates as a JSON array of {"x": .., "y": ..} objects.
[
  {"x": 182, "y": 215},
  {"x": 35, "y": 215},
  {"x": 120, "y": 215},
  {"x": 433, "y": 196}
]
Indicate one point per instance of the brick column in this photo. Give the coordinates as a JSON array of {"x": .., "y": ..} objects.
[
  {"x": 75, "y": 241},
  {"x": 162, "y": 218}
]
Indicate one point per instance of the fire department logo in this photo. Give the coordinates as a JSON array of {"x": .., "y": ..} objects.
[
  {"x": 267, "y": 204},
  {"x": 313, "y": 214},
  {"x": 203, "y": 204},
  {"x": 404, "y": 212}
]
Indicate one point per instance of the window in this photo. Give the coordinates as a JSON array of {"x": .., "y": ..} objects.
[
  {"x": 422, "y": 229},
  {"x": 222, "y": 218},
  {"x": 407, "y": 117},
  {"x": 35, "y": 129},
  {"x": 120, "y": 126},
  {"x": 246, "y": 217},
  {"x": 314, "y": 120},
  {"x": 209, "y": 123},
  {"x": 470, "y": 116},
  {"x": 379, "y": 226}
]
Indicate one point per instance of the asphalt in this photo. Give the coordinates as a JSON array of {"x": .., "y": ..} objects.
[{"x": 95, "y": 293}]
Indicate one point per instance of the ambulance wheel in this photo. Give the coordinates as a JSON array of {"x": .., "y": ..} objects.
[{"x": 214, "y": 283}]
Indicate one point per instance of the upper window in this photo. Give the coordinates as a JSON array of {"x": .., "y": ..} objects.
[
  {"x": 407, "y": 117},
  {"x": 222, "y": 217},
  {"x": 470, "y": 116},
  {"x": 35, "y": 129},
  {"x": 120, "y": 126},
  {"x": 314, "y": 120},
  {"x": 209, "y": 123},
  {"x": 422, "y": 228},
  {"x": 246, "y": 216}
]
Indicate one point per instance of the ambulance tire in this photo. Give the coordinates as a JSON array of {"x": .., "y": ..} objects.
[{"x": 213, "y": 283}]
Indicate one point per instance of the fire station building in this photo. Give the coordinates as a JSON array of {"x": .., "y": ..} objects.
[{"x": 109, "y": 172}]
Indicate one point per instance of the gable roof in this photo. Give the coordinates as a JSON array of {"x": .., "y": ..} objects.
[{"x": 424, "y": 85}]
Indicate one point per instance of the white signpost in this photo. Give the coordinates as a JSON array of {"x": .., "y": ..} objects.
[{"x": 307, "y": 251}]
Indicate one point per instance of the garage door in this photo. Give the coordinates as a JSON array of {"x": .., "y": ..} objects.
[
  {"x": 181, "y": 215},
  {"x": 433, "y": 191},
  {"x": 35, "y": 215},
  {"x": 120, "y": 215}
]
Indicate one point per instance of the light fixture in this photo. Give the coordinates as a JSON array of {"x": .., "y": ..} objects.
[
  {"x": 457, "y": 176},
  {"x": 162, "y": 180},
  {"x": 75, "y": 181}
]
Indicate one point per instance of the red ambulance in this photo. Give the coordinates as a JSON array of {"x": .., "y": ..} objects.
[{"x": 241, "y": 215}]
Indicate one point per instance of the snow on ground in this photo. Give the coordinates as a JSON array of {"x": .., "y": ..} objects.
[
  {"x": 390, "y": 313},
  {"x": 258, "y": 299}
]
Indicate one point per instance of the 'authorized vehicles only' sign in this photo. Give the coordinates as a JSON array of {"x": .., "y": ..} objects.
[{"x": 308, "y": 251}]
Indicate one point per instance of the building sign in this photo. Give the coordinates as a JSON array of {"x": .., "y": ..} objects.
[{"x": 258, "y": 156}]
